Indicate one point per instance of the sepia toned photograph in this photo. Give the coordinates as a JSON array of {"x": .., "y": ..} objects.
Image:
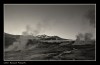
[{"x": 49, "y": 32}]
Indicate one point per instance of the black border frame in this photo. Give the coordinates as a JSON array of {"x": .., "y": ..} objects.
[{"x": 34, "y": 2}]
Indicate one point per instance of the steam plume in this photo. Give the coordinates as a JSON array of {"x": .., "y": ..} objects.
[
  {"x": 21, "y": 43},
  {"x": 82, "y": 39},
  {"x": 91, "y": 16}
]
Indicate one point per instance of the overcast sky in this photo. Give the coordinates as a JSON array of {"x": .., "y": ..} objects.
[{"x": 65, "y": 21}]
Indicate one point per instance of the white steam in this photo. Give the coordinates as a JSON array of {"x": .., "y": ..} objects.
[
  {"x": 90, "y": 26},
  {"x": 21, "y": 43}
]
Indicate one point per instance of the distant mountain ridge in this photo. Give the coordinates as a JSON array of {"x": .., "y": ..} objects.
[
  {"x": 10, "y": 38},
  {"x": 45, "y": 37}
]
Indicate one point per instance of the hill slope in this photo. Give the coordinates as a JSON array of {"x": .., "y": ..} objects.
[{"x": 9, "y": 39}]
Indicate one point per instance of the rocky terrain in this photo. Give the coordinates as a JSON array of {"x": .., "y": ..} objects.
[{"x": 43, "y": 47}]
